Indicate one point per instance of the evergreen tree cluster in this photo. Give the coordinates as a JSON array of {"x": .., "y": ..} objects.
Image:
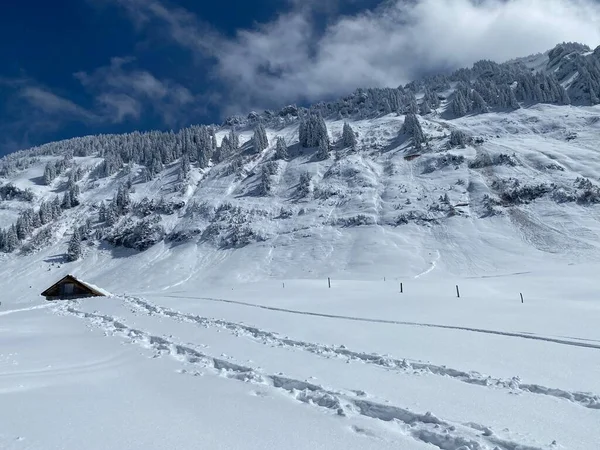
[
  {"x": 229, "y": 146},
  {"x": 54, "y": 169},
  {"x": 586, "y": 87},
  {"x": 118, "y": 206},
  {"x": 71, "y": 196},
  {"x": 371, "y": 102},
  {"x": 482, "y": 96},
  {"x": 266, "y": 181},
  {"x": 485, "y": 86},
  {"x": 11, "y": 192},
  {"x": 154, "y": 150},
  {"x": 28, "y": 221},
  {"x": 541, "y": 88},
  {"x": 312, "y": 131},
  {"x": 459, "y": 138},
  {"x": 139, "y": 235}
]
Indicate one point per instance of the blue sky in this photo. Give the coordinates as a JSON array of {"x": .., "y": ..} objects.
[{"x": 77, "y": 67}]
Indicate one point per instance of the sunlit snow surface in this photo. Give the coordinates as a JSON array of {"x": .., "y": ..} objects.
[{"x": 249, "y": 348}]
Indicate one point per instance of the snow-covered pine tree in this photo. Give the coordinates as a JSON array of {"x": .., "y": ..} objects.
[
  {"x": 224, "y": 151},
  {"x": 56, "y": 207},
  {"x": 213, "y": 140},
  {"x": 156, "y": 165},
  {"x": 303, "y": 131},
  {"x": 102, "y": 212},
  {"x": 85, "y": 230},
  {"x": 12, "y": 240},
  {"x": 321, "y": 135},
  {"x": 479, "y": 104},
  {"x": 459, "y": 104},
  {"x": 74, "y": 248},
  {"x": 234, "y": 140},
  {"x": 111, "y": 215},
  {"x": 348, "y": 136},
  {"x": 281, "y": 151},
  {"x": 411, "y": 105},
  {"x": 564, "y": 96},
  {"x": 74, "y": 194},
  {"x": 66, "y": 201},
  {"x": 266, "y": 184},
  {"x": 412, "y": 128},
  {"x": 431, "y": 98},
  {"x": 458, "y": 138},
  {"x": 386, "y": 106},
  {"x": 259, "y": 139},
  {"x": 204, "y": 148},
  {"x": 122, "y": 200},
  {"x": 34, "y": 218},
  {"x": 511, "y": 98},
  {"x": 23, "y": 227},
  {"x": 304, "y": 184},
  {"x": 185, "y": 168},
  {"x": 323, "y": 152},
  {"x": 49, "y": 174},
  {"x": 45, "y": 213}
]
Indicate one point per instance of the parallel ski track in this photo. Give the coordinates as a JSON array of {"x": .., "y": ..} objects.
[
  {"x": 424, "y": 428},
  {"x": 30, "y": 308},
  {"x": 586, "y": 399},
  {"x": 523, "y": 335}
]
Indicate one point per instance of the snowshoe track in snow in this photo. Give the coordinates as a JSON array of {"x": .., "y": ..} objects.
[
  {"x": 425, "y": 428},
  {"x": 588, "y": 400}
]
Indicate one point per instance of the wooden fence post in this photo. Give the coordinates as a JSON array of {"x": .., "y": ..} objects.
[
  {"x": 329, "y": 282},
  {"x": 457, "y": 291},
  {"x": 401, "y": 288},
  {"x": 522, "y": 301}
]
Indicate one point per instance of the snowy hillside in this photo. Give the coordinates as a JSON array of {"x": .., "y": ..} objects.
[
  {"x": 524, "y": 182},
  {"x": 217, "y": 242}
]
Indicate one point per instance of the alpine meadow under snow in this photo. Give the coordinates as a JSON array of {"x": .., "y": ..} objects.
[{"x": 457, "y": 219}]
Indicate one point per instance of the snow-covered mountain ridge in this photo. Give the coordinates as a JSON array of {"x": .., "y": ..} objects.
[
  {"x": 465, "y": 178},
  {"x": 461, "y": 245}
]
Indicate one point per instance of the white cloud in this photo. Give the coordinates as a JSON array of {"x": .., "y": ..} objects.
[
  {"x": 123, "y": 93},
  {"x": 33, "y": 110},
  {"x": 115, "y": 93},
  {"x": 50, "y": 103},
  {"x": 290, "y": 60},
  {"x": 119, "y": 107},
  {"x": 394, "y": 44},
  {"x": 178, "y": 24}
]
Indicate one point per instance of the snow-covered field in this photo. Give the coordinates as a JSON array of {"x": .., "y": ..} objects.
[
  {"x": 213, "y": 347},
  {"x": 291, "y": 363}
]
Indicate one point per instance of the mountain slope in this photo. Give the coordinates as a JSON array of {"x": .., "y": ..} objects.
[
  {"x": 472, "y": 189},
  {"x": 461, "y": 249},
  {"x": 531, "y": 181}
]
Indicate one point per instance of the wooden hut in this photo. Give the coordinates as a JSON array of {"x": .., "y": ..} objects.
[{"x": 70, "y": 287}]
